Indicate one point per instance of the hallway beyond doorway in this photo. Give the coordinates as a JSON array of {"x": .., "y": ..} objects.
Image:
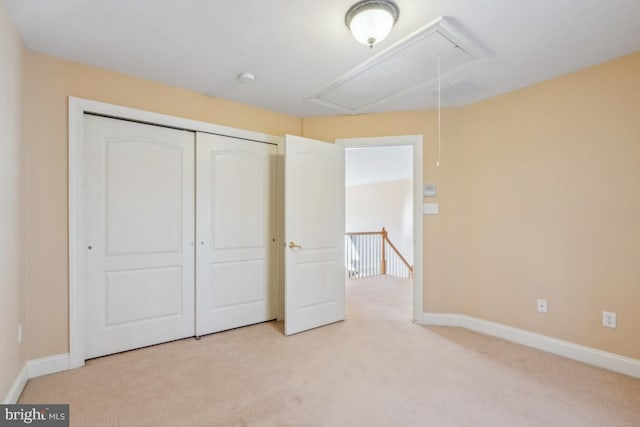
[{"x": 379, "y": 298}]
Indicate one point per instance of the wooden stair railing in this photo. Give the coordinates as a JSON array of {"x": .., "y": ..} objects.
[{"x": 371, "y": 253}]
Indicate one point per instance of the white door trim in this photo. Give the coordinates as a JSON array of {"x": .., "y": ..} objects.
[
  {"x": 77, "y": 274},
  {"x": 416, "y": 142}
]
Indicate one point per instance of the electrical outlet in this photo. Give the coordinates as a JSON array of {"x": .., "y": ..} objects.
[
  {"x": 20, "y": 333},
  {"x": 542, "y": 306},
  {"x": 609, "y": 319}
]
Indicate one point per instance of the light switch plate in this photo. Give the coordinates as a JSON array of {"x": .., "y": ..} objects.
[{"x": 430, "y": 209}]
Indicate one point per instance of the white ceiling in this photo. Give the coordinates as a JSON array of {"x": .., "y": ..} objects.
[
  {"x": 297, "y": 47},
  {"x": 372, "y": 165}
]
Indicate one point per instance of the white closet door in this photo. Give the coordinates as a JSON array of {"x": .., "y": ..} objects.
[
  {"x": 139, "y": 223},
  {"x": 236, "y": 223}
]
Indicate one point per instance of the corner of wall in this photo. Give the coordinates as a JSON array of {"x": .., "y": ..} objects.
[{"x": 13, "y": 178}]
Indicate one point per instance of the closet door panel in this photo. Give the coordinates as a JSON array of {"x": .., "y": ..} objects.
[
  {"x": 139, "y": 210},
  {"x": 236, "y": 217}
]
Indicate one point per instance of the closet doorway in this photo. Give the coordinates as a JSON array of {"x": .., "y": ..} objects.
[
  {"x": 181, "y": 233},
  {"x": 213, "y": 211}
]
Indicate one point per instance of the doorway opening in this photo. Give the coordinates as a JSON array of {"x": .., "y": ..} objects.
[{"x": 383, "y": 225}]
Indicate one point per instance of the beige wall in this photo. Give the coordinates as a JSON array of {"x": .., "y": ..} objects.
[
  {"x": 388, "y": 204},
  {"x": 553, "y": 175},
  {"x": 49, "y": 82},
  {"x": 12, "y": 312},
  {"x": 538, "y": 194}
]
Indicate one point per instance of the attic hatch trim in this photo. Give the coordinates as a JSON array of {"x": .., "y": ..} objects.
[{"x": 441, "y": 25}]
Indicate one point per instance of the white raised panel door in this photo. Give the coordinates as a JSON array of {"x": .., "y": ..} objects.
[
  {"x": 236, "y": 225},
  {"x": 314, "y": 233},
  {"x": 139, "y": 210}
]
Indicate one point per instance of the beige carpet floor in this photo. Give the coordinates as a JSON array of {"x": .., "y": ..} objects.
[{"x": 374, "y": 369}]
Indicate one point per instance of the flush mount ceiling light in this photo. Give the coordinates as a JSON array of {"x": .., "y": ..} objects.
[{"x": 370, "y": 21}]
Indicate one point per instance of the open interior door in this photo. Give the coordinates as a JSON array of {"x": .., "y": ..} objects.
[{"x": 314, "y": 234}]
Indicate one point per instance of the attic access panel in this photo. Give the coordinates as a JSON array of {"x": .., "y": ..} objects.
[{"x": 409, "y": 65}]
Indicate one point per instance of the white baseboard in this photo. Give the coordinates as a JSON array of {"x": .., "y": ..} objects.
[
  {"x": 36, "y": 368},
  {"x": 592, "y": 356},
  {"x": 48, "y": 365},
  {"x": 16, "y": 388}
]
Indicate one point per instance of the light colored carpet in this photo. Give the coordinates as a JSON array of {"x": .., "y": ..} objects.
[{"x": 374, "y": 369}]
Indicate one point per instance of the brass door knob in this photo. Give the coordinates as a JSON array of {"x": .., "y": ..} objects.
[{"x": 293, "y": 246}]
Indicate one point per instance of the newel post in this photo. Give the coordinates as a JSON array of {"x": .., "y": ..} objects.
[{"x": 383, "y": 261}]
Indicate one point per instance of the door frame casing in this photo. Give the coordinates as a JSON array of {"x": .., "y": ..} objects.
[
  {"x": 77, "y": 266},
  {"x": 415, "y": 141}
]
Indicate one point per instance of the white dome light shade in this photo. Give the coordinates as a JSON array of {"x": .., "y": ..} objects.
[
  {"x": 371, "y": 26},
  {"x": 370, "y": 21}
]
